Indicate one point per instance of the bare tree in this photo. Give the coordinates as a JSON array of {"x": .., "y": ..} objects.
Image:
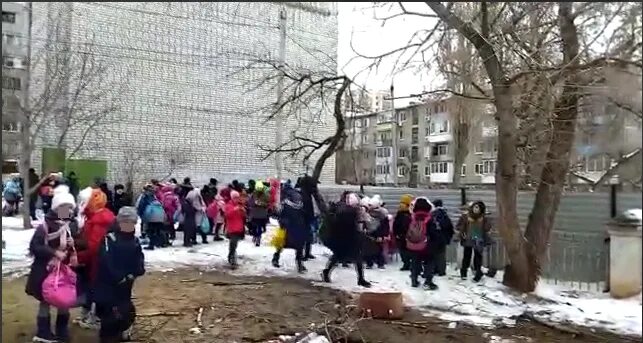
[
  {"x": 539, "y": 60},
  {"x": 71, "y": 95}
]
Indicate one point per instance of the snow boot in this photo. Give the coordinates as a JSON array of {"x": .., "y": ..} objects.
[
  {"x": 415, "y": 283},
  {"x": 478, "y": 276},
  {"x": 363, "y": 283},
  {"x": 463, "y": 274},
  {"x": 44, "y": 334},
  {"x": 491, "y": 272},
  {"x": 326, "y": 275},
  {"x": 301, "y": 268},
  {"x": 62, "y": 327},
  {"x": 275, "y": 260},
  {"x": 430, "y": 286},
  {"x": 217, "y": 238}
]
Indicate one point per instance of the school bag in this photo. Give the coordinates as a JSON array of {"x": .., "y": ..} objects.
[
  {"x": 154, "y": 212},
  {"x": 416, "y": 238}
]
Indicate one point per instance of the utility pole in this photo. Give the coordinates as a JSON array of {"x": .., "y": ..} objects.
[
  {"x": 280, "y": 87},
  {"x": 394, "y": 133}
]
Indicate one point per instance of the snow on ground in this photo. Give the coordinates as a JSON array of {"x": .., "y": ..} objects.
[{"x": 487, "y": 303}]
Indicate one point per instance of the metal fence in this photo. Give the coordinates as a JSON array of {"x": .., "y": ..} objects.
[{"x": 577, "y": 254}]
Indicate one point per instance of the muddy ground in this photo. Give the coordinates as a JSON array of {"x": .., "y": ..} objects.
[{"x": 257, "y": 309}]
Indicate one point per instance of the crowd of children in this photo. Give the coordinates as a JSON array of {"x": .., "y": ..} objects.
[{"x": 93, "y": 233}]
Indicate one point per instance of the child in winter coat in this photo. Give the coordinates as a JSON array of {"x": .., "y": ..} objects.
[
  {"x": 380, "y": 230},
  {"x": 120, "y": 262},
  {"x": 235, "y": 217},
  {"x": 400, "y": 227},
  {"x": 215, "y": 213},
  {"x": 51, "y": 242},
  {"x": 444, "y": 224},
  {"x": 473, "y": 229},
  {"x": 423, "y": 255},
  {"x": 171, "y": 205},
  {"x": 97, "y": 223},
  {"x": 258, "y": 212}
]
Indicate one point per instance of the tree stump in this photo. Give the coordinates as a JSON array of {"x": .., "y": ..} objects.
[{"x": 384, "y": 305}]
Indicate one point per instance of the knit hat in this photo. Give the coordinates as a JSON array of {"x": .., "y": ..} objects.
[
  {"x": 405, "y": 201},
  {"x": 127, "y": 213},
  {"x": 62, "y": 197},
  {"x": 352, "y": 199}
]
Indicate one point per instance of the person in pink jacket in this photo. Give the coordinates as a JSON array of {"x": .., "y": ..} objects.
[
  {"x": 215, "y": 214},
  {"x": 171, "y": 205}
]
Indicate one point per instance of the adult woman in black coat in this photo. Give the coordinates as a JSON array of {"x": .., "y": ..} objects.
[{"x": 345, "y": 240}]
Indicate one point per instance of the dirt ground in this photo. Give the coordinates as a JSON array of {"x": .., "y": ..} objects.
[{"x": 257, "y": 309}]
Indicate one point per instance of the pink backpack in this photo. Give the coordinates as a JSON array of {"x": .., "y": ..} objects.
[
  {"x": 416, "y": 239},
  {"x": 59, "y": 287}
]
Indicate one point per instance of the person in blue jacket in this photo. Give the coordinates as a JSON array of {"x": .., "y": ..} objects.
[
  {"x": 292, "y": 219},
  {"x": 120, "y": 262}
]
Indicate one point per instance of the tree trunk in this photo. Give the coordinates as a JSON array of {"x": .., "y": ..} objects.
[
  {"x": 24, "y": 165},
  {"x": 553, "y": 174}
]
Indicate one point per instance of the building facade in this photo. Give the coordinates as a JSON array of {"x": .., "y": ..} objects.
[
  {"x": 188, "y": 98},
  {"x": 420, "y": 146},
  {"x": 355, "y": 163},
  {"x": 15, "y": 30}
]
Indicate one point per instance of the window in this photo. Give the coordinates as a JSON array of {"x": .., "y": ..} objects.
[
  {"x": 9, "y": 126},
  {"x": 597, "y": 164},
  {"x": 415, "y": 118},
  {"x": 364, "y": 139},
  {"x": 400, "y": 135},
  {"x": 10, "y": 83},
  {"x": 383, "y": 152},
  {"x": 382, "y": 169},
  {"x": 440, "y": 150},
  {"x": 401, "y": 153},
  {"x": 489, "y": 167},
  {"x": 439, "y": 167},
  {"x": 415, "y": 135},
  {"x": 7, "y": 61},
  {"x": 9, "y": 40},
  {"x": 427, "y": 131},
  {"x": 402, "y": 117},
  {"x": 414, "y": 169},
  {"x": 478, "y": 148},
  {"x": 427, "y": 171},
  {"x": 478, "y": 168},
  {"x": 463, "y": 170},
  {"x": 439, "y": 126},
  {"x": 358, "y": 123},
  {"x": 401, "y": 171},
  {"x": 8, "y": 17},
  {"x": 414, "y": 153},
  {"x": 367, "y": 122}
]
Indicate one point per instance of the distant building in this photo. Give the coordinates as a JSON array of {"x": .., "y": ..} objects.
[
  {"x": 355, "y": 163},
  {"x": 15, "y": 32},
  {"x": 367, "y": 101}
]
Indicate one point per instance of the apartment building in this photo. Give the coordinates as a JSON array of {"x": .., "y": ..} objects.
[
  {"x": 363, "y": 101},
  {"x": 15, "y": 31},
  {"x": 188, "y": 87},
  {"x": 356, "y": 161}
]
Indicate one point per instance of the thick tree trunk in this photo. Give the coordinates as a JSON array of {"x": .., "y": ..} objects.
[{"x": 552, "y": 180}]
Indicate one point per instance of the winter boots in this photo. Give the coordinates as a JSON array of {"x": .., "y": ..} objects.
[
  {"x": 62, "y": 327},
  {"x": 300, "y": 267},
  {"x": 275, "y": 260},
  {"x": 44, "y": 334}
]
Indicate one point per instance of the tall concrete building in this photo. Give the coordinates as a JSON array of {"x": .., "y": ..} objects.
[
  {"x": 186, "y": 98},
  {"x": 15, "y": 30}
]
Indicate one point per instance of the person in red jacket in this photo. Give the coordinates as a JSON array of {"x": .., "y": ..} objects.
[
  {"x": 235, "y": 218},
  {"x": 98, "y": 221}
]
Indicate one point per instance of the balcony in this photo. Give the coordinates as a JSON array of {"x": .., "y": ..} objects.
[
  {"x": 489, "y": 131},
  {"x": 439, "y": 137},
  {"x": 384, "y": 142}
]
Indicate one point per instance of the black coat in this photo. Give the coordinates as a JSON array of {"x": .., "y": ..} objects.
[
  {"x": 441, "y": 217},
  {"x": 208, "y": 193},
  {"x": 120, "y": 201},
  {"x": 401, "y": 224},
  {"x": 42, "y": 251},
  {"x": 120, "y": 261},
  {"x": 345, "y": 239}
]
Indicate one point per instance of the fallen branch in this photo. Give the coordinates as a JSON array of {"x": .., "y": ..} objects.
[
  {"x": 232, "y": 284},
  {"x": 159, "y": 314}
]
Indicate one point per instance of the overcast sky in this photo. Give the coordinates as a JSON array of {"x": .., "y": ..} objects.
[{"x": 369, "y": 37}]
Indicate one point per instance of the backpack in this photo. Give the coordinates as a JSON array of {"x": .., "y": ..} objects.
[
  {"x": 416, "y": 238},
  {"x": 154, "y": 212}
]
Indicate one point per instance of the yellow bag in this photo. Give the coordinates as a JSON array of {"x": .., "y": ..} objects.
[{"x": 279, "y": 239}]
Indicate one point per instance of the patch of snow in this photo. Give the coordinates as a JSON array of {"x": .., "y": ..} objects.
[
  {"x": 13, "y": 223},
  {"x": 487, "y": 303}
]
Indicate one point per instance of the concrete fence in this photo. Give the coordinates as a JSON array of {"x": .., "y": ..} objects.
[{"x": 577, "y": 253}]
